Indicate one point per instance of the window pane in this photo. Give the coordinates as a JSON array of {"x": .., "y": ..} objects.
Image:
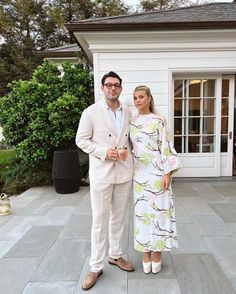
[
  {"x": 178, "y": 126},
  {"x": 224, "y": 143},
  {"x": 225, "y": 88},
  {"x": 224, "y": 125},
  {"x": 193, "y": 144},
  {"x": 194, "y": 125},
  {"x": 194, "y": 88},
  {"x": 194, "y": 107},
  {"x": 178, "y": 107},
  {"x": 208, "y": 125},
  {"x": 178, "y": 88},
  {"x": 208, "y": 88},
  {"x": 208, "y": 107},
  {"x": 178, "y": 144},
  {"x": 208, "y": 144},
  {"x": 224, "y": 106}
]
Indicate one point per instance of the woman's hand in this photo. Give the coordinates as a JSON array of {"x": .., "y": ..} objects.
[
  {"x": 166, "y": 181},
  {"x": 112, "y": 153}
]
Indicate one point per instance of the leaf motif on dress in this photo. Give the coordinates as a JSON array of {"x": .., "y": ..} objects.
[
  {"x": 146, "y": 158},
  {"x": 136, "y": 231},
  {"x": 147, "y": 218},
  {"x": 157, "y": 185},
  {"x": 152, "y": 126},
  {"x": 138, "y": 188},
  {"x": 169, "y": 213},
  {"x": 160, "y": 245},
  {"x": 140, "y": 247},
  {"x": 166, "y": 152},
  {"x": 133, "y": 131}
]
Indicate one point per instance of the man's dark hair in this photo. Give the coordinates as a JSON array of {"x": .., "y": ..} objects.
[{"x": 111, "y": 74}]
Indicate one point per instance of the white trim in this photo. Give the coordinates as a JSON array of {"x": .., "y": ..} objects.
[{"x": 96, "y": 77}]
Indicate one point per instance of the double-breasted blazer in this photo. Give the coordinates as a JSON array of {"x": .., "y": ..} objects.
[{"x": 96, "y": 133}]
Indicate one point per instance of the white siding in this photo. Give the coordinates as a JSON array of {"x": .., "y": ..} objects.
[
  {"x": 153, "y": 69},
  {"x": 152, "y": 58}
]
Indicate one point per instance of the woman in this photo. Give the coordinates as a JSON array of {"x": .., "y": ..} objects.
[{"x": 155, "y": 159}]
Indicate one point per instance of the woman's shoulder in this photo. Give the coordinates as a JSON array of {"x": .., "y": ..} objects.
[{"x": 160, "y": 118}]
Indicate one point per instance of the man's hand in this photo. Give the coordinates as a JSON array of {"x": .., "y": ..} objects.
[
  {"x": 166, "y": 181},
  {"x": 112, "y": 154}
]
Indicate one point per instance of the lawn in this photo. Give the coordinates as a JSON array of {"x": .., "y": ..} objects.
[{"x": 7, "y": 156}]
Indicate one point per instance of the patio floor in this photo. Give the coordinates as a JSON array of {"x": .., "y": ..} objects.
[{"x": 45, "y": 244}]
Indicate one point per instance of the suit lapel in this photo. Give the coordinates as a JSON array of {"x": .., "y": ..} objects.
[
  {"x": 123, "y": 126},
  {"x": 106, "y": 118}
]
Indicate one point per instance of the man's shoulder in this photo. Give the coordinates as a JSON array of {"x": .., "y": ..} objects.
[{"x": 93, "y": 107}]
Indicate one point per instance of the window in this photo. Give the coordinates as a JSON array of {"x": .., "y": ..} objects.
[{"x": 194, "y": 115}]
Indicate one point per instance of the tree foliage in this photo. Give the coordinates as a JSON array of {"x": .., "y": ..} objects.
[
  {"x": 41, "y": 115},
  {"x": 27, "y": 26},
  {"x": 150, "y": 5}
]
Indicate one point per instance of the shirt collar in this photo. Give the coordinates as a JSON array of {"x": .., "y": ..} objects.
[{"x": 108, "y": 108}]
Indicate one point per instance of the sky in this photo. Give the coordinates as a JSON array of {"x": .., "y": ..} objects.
[{"x": 135, "y": 2}]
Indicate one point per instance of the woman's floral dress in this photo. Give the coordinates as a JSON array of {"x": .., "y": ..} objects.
[{"x": 154, "y": 156}]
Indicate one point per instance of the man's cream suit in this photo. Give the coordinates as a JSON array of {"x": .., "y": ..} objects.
[{"x": 110, "y": 181}]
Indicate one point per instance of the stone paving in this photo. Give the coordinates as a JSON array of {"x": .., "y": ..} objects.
[{"x": 45, "y": 244}]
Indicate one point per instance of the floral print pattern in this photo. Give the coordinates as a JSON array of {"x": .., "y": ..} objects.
[{"x": 154, "y": 157}]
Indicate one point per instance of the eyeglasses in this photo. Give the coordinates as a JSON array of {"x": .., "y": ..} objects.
[{"x": 109, "y": 86}]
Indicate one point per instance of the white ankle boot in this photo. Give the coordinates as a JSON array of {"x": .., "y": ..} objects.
[
  {"x": 156, "y": 267},
  {"x": 147, "y": 267}
]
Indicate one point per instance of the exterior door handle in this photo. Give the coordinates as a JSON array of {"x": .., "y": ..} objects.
[{"x": 230, "y": 135}]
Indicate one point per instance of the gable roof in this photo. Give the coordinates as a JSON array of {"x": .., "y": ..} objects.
[
  {"x": 209, "y": 16},
  {"x": 62, "y": 51}
]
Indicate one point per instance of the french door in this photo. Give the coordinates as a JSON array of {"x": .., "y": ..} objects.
[{"x": 203, "y": 122}]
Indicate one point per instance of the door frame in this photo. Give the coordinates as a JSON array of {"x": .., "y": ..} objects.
[{"x": 215, "y": 157}]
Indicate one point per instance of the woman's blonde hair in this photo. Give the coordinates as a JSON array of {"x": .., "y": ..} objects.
[{"x": 148, "y": 92}]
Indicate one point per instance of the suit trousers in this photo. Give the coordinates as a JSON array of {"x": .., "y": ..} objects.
[{"x": 109, "y": 205}]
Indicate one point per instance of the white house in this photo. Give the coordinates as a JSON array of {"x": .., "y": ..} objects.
[
  {"x": 187, "y": 57},
  {"x": 67, "y": 53}
]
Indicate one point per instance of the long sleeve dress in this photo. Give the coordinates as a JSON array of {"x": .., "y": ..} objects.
[{"x": 154, "y": 157}]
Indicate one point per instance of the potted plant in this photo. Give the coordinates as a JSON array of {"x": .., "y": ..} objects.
[{"x": 5, "y": 206}]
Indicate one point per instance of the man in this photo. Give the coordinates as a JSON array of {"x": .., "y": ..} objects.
[{"x": 103, "y": 129}]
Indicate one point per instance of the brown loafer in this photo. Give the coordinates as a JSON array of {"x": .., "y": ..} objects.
[
  {"x": 122, "y": 264},
  {"x": 91, "y": 280}
]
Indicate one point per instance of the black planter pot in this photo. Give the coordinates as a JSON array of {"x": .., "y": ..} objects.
[{"x": 66, "y": 171}]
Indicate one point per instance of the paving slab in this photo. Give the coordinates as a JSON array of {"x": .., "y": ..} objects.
[
  {"x": 5, "y": 246},
  {"x": 84, "y": 207},
  {"x": 200, "y": 273},
  {"x": 63, "y": 261},
  {"x": 181, "y": 189},
  {"x": 17, "y": 226},
  {"x": 151, "y": 286},
  {"x": 49, "y": 288},
  {"x": 5, "y": 218},
  {"x": 194, "y": 205},
  {"x": 15, "y": 273},
  {"x": 55, "y": 229},
  {"x": 35, "y": 243},
  {"x": 36, "y": 207},
  {"x": 226, "y": 190},
  {"x": 210, "y": 225},
  {"x": 79, "y": 226},
  {"x": 113, "y": 280},
  {"x": 226, "y": 211},
  {"x": 224, "y": 250},
  {"x": 190, "y": 239},
  {"x": 167, "y": 271},
  {"x": 57, "y": 216}
]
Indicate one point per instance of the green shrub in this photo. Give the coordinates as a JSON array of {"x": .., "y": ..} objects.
[
  {"x": 41, "y": 115},
  {"x": 17, "y": 177}
]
